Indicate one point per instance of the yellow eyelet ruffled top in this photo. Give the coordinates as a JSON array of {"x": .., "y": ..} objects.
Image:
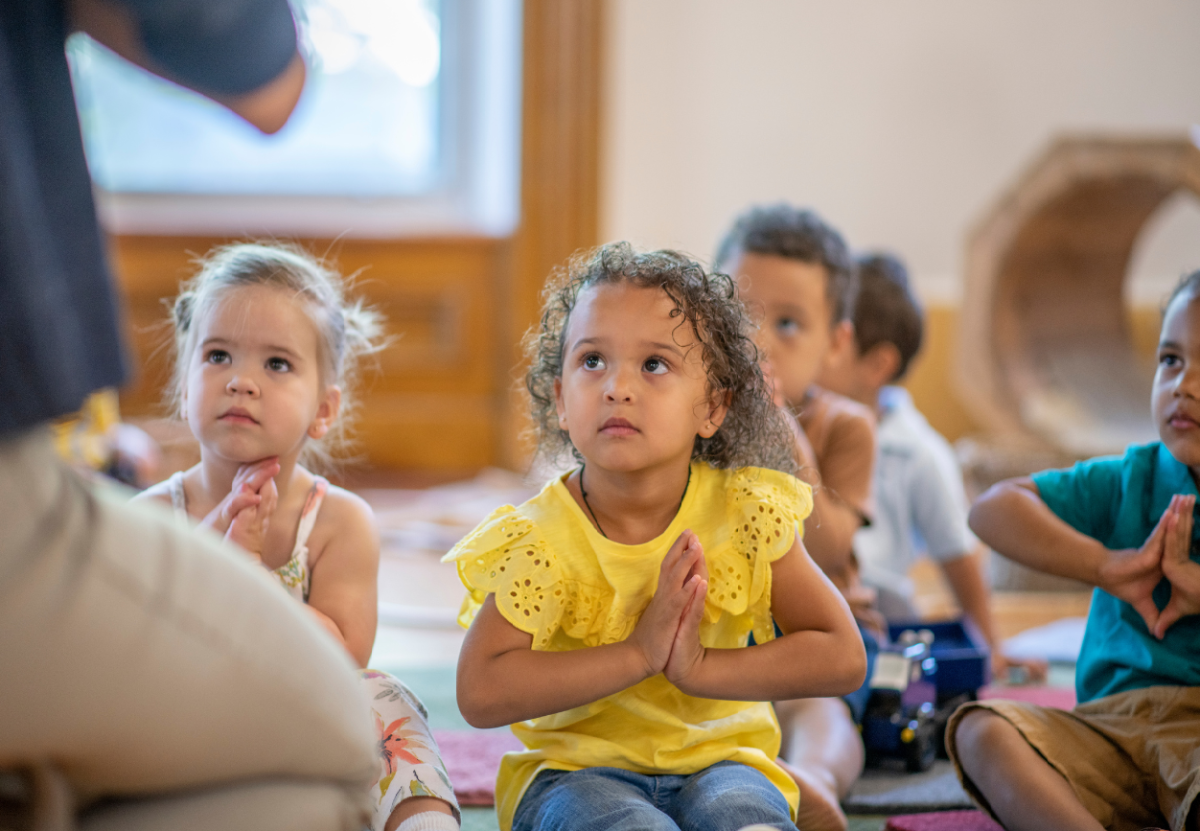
[{"x": 554, "y": 576}]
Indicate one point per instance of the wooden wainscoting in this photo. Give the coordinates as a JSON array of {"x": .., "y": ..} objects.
[{"x": 431, "y": 399}]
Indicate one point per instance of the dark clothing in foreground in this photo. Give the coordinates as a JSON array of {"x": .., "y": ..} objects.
[{"x": 59, "y": 330}]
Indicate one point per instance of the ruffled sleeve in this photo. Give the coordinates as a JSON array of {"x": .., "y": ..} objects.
[
  {"x": 766, "y": 510},
  {"x": 507, "y": 557}
]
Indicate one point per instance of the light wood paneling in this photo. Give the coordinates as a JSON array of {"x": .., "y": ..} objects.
[
  {"x": 560, "y": 182},
  {"x": 430, "y": 401}
]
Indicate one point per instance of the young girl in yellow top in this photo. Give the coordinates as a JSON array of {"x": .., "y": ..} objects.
[
  {"x": 610, "y": 615},
  {"x": 266, "y": 348}
]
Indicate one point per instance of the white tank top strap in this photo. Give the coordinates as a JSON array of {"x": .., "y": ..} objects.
[
  {"x": 294, "y": 574},
  {"x": 308, "y": 516},
  {"x": 178, "y": 497}
]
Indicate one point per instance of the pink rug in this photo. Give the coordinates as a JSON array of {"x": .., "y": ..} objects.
[
  {"x": 1061, "y": 697},
  {"x": 472, "y": 758},
  {"x": 943, "y": 821}
]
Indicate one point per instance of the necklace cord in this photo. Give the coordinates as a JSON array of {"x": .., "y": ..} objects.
[{"x": 588, "y": 505}]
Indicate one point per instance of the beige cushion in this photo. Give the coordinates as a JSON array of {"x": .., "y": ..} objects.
[{"x": 140, "y": 657}]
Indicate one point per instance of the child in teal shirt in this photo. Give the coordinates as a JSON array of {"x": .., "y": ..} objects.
[{"x": 1128, "y": 756}]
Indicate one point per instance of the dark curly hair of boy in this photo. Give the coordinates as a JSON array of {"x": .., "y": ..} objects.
[
  {"x": 754, "y": 432},
  {"x": 783, "y": 230}
]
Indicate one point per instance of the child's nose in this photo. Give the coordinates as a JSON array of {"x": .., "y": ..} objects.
[
  {"x": 242, "y": 383},
  {"x": 619, "y": 387}
]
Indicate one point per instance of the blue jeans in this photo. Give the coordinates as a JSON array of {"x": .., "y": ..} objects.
[{"x": 723, "y": 797}]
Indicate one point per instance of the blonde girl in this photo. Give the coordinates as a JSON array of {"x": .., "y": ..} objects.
[
  {"x": 266, "y": 352},
  {"x": 610, "y": 614}
]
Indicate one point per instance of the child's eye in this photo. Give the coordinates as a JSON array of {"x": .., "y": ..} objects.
[
  {"x": 278, "y": 365},
  {"x": 655, "y": 366},
  {"x": 787, "y": 327},
  {"x": 217, "y": 356},
  {"x": 593, "y": 361},
  {"x": 1168, "y": 359}
]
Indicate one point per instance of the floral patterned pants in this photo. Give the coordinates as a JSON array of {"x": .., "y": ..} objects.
[{"x": 408, "y": 756}]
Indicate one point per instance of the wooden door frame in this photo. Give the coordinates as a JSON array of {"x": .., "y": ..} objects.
[{"x": 560, "y": 176}]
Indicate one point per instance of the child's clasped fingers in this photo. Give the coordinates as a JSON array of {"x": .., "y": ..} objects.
[
  {"x": 241, "y": 500},
  {"x": 1179, "y": 541},
  {"x": 256, "y": 474}
]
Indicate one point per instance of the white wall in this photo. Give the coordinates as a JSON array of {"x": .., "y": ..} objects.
[{"x": 900, "y": 121}]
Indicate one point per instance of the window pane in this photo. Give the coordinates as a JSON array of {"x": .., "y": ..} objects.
[{"x": 367, "y": 125}]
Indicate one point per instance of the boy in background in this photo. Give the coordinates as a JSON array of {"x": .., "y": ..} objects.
[
  {"x": 920, "y": 503},
  {"x": 797, "y": 277}
]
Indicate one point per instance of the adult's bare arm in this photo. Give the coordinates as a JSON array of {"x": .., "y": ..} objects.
[{"x": 267, "y": 107}]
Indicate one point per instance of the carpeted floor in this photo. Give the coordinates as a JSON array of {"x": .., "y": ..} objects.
[{"x": 880, "y": 791}]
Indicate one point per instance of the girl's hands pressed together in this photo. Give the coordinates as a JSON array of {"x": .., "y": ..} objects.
[
  {"x": 245, "y": 493},
  {"x": 686, "y": 651},
  {"x": 248, "y": 530},
  {"x": 1178, "y": 566},
  {"x": 680, "y": 577}
]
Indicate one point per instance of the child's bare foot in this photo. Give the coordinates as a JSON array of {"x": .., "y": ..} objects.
[{"x": 819, "y": 808}]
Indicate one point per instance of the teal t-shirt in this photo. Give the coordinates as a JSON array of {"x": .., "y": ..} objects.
[{"x": 1118, "y": 500}]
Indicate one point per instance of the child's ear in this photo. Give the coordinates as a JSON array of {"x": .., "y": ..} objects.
[
  {"x": 883, "y": 362},
  {"x": 841, "y": 345},
  {"x": 559, "y": 407},
  {"x": 718, "y": 408},
  {"x": 327, "y": 412}
]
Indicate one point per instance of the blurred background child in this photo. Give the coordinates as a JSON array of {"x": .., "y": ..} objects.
[
  {"x": 920, "y": 504},
  {"x": 797, "y": 277}
]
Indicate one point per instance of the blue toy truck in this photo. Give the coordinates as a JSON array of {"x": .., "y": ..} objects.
[{"x": 919, "y": 679}]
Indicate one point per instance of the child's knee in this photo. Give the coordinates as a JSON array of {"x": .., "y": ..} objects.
[
  {"x": 979, "y": 733},
  {"x": 729, "y": 796}
]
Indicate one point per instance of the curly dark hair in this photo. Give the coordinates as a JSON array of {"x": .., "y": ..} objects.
[
  {"x": 1189, "y": 284},
  {"x": 886, "y": 310},
  {"x": 784, "y": 230},
  {"x": 754, "y": 432}
]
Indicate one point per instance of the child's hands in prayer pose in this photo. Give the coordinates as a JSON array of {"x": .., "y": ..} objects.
[
  {"x": 1132, "y": 575},
  {"x": 682, "y": 584},
  {"x": 686, "y": 651},
  {"x": 247, "y": 483},
  {"x": 243, "y": 516},
  {"x": 249, "y": 527},
  {"x": 1178, "y": 566}
]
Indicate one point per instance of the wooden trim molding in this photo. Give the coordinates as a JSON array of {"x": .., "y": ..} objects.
[{"x": 560, "y": 179}]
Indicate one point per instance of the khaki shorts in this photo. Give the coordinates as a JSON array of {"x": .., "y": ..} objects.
[{"x": 1133, "y": 758}]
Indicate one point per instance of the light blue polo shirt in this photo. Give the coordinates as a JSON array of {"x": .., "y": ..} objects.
[{"x": 1118, "y": 500}]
